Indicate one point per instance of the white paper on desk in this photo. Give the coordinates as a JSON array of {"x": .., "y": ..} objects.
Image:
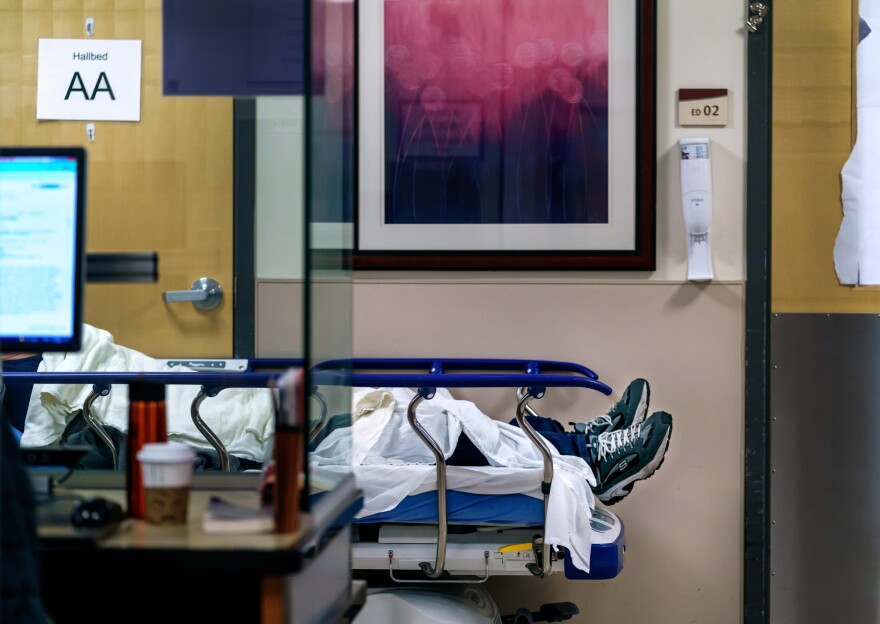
[{"x": 222, "y": 516}]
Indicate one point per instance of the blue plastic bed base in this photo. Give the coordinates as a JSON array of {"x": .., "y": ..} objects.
[{"x": 606, "y": 560}]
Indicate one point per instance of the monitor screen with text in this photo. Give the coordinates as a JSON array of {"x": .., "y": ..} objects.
[{"x": 42, "y": 240}]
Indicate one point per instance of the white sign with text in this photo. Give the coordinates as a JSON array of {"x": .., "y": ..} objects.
[{"x": 89, "y": 79}]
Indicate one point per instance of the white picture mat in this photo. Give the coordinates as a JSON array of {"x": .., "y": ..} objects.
[{"x": 618, "y": 234}]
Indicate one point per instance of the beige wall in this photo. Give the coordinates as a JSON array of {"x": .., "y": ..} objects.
[{"x": 684, "y": 525}]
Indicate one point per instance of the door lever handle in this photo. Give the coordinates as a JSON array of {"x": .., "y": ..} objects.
[
  {"x": 205, "y": 294},
  {"x": 173, "y": 296}
]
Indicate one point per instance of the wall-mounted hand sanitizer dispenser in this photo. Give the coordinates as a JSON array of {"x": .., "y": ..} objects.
[{"x": 696, "y": 201}]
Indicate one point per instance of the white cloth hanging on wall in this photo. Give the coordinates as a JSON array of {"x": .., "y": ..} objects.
[{"x": 857, "y": 248}]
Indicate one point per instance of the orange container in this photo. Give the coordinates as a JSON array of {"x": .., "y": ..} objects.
[{"x": 147, "y": 422}]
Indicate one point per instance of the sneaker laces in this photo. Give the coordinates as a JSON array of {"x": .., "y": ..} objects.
[
  {"x": 611, "y": 442},
  {"x": 603, "y": 420}
]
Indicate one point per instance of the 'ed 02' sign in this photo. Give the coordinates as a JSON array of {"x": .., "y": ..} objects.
[{"x": 89, "y": 79}]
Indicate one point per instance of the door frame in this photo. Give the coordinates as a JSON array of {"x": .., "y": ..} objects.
[
  {"x": 756, "y": 508},
  {"x": 244, "y": 181}
]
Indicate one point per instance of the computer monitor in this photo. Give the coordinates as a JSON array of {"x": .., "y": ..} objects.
[{"x": 42, "y": 248}]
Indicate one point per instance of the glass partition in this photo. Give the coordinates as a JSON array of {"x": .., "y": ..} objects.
[
  {"x": 330, "y": 193},
  {"x": 232, "y": 176}
]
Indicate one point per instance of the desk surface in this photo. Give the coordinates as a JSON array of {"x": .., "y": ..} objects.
[
  {"x": 186, "y": 545},
  {"x": 131, "y": 533},
  {"x": 233, "y": 576}
]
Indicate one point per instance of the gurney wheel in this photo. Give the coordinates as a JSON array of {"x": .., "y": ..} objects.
[
  {"x": 551, "y": 612},
  {"x": 522, "y": 616}
]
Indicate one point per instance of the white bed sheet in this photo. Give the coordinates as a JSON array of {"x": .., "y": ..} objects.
[
  {"x": 391, "y": 463},
  {"x": 241, "y": 417}
]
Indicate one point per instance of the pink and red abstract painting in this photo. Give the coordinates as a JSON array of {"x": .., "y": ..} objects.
[{"x": 496, "y": 111}]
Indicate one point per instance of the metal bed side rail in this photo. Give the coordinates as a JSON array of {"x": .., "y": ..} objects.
[
  {"x": 99, "y": 390},
  {"x": 543, "y": 562},
  {"x": 525, "y": 393},
  {"x": 436, "y": 570}
]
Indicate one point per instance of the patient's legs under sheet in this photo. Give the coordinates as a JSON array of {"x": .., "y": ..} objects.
[
  {"x": 466, "y": 453},
  {"x": 566, "y": 442}
]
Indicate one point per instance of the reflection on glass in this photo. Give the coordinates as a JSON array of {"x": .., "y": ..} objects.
[
  {"x": 330, "y": 166},
  {"x": 169, "y": 184},
  {"x": 96, "y": 418}
]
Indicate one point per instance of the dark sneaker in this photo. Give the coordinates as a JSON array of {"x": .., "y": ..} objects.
[
  {"x": 630, "y": 410},
  {"x": 620, "y": 458}
]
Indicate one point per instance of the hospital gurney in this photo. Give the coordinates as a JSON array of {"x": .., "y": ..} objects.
[
  {"x": 426, "y": 557},
  {"x": 446, "y": 533}
]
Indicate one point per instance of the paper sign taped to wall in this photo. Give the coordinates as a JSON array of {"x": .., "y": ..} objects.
[{"x": 89, "y": 79}]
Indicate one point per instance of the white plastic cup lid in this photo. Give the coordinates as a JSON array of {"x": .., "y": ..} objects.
[{"x": 166, "y": 453}]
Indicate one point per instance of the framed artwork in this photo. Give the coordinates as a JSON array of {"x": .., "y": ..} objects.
[{"x": 506, "y": 134}]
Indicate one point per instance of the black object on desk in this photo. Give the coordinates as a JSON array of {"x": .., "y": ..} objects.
[
  {"x": 43, "y": 463},
  {"x": 71, "y": 518},
  {"x": 66, "y": 456},
  {"x": 93, "y": 513}
]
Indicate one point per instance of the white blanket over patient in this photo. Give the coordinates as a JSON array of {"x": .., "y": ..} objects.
[
  {"x": 241, "y": 417},
  {"x": 391, "y": 462}
]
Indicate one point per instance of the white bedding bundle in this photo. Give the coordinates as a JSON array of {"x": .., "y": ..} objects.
[{"x": 241, "y": 417}]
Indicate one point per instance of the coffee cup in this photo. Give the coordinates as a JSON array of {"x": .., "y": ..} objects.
[{"x": 166, "y": 469}]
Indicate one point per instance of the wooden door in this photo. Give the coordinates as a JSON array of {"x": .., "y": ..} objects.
[{"x": 163, "y": 184}]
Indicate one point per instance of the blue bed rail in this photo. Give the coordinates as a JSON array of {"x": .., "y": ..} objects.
[
  {"x": 535, "y": 376},
  {"x": 358, "y": 373}
]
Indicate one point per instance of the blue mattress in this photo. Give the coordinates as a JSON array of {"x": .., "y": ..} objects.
[
  {"x": 606, "y": 560},
  {"x": 465, "y": 508}
]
